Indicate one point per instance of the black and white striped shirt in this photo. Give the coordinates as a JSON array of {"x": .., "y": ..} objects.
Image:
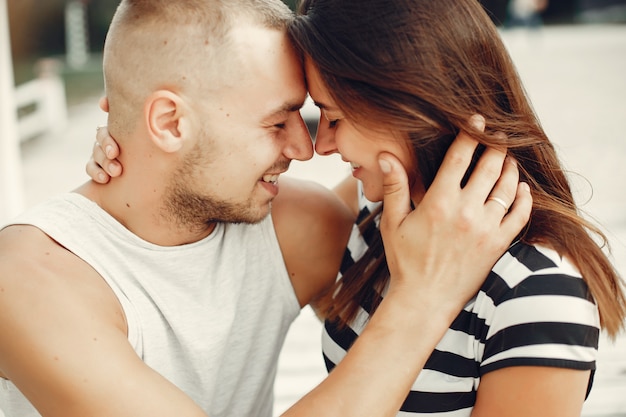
[{"x": 534, "y": 309}]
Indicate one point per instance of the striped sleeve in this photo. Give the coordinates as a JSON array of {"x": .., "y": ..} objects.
[{"x": 537, "y": 311}]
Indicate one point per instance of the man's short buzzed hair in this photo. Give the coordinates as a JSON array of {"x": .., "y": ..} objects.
[
  {"x": 216, "y": 14},
  {"x": 181, "y": 45}
]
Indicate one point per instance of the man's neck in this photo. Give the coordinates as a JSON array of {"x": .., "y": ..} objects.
[{"x": 138, "y": 206}]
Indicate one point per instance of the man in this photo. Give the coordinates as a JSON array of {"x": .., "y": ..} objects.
[{"x": 169, "y": 291}]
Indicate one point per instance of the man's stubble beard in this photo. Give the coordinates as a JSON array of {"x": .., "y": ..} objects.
[
  {"x": 190, "y": 209},
  {"x": 193, "y": 211}
]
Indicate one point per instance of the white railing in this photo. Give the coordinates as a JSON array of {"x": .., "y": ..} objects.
[
  {"x": 11, "y": 198},
  {"x": 41, "y": 102}
]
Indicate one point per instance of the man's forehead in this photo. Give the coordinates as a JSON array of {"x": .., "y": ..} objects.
[{"x": 263, "y": 74}]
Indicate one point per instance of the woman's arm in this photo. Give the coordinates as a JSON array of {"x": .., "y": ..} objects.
[{"x": 523, "y": 391}]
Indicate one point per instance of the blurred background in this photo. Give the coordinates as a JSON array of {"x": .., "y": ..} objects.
[
  {"x": 56, "y": 28},
  {"x": 571, "y": 55}
]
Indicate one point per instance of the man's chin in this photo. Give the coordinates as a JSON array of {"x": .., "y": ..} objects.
[
  {"x": 262, "y": 215},
  {"x": 249, "y": 217}
]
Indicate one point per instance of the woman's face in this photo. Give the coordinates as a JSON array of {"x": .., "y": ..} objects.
[{"x": 356, "y": 144}]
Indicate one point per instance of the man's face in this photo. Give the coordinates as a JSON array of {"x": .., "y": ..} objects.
[{"x": 251, "y": 130}]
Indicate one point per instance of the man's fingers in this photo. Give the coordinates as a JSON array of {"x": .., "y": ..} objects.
[{"x": 396, "y": 198}]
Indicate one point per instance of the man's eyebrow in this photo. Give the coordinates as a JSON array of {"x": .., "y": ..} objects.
[{"x": 288, "y": 107}]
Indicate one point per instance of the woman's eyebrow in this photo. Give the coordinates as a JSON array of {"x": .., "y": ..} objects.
[{"x": 323, "y": 106}]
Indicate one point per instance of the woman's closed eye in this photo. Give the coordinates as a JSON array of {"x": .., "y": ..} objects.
[{"x": 332, "y": 123}]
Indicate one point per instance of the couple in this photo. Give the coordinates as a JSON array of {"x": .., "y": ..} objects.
[{"x": 169, "y": 291}]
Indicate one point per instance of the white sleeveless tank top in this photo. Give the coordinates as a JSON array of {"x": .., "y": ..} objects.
[{"x": 210, "y": 316}]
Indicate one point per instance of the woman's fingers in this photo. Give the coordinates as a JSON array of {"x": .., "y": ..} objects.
[
  {"x": 501, "y": 196},
  {"x": 456, "y": 162},
  {"x": 396, "y": 198},
  {"x": 488, "y": 173},
  {"x": 93, "y": 167},
  {"x": 102, "y": 165},
  {"x": 110, "y": 151},
  {"x": 519, "y": 212},
  {"x": 107, "y": 143}
]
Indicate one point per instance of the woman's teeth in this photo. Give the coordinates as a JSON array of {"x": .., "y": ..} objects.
[
  {"x": 271, "y": 178},
  {"x": 354, "y": 166}
]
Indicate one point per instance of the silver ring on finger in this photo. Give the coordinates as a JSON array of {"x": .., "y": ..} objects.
[{"x": 499, "y": 201}]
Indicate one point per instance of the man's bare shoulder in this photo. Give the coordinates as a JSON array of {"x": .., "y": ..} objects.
[
  {"x": 25, "y": 241},
  {"x": 313, "y": 226},
  {"x": 35, "y": 265},
  {"x": 45, "y": 290},
  {"x": 28, "y": 255},
  {"x": 64, "y": 342}
]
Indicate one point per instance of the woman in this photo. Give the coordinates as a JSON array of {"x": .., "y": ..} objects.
[{"x": 403, "y": 78}]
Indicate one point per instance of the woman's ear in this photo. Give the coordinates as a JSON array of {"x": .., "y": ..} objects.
[{"x": 166, "y": 120}]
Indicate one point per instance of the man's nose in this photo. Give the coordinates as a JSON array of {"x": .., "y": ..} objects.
[{"x": 299, "y": 145}]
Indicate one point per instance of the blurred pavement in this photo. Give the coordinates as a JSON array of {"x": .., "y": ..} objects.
[{"x": 576, "y": 78}]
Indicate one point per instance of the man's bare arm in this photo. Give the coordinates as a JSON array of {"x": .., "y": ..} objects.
[{"x": 64, "y": 341}]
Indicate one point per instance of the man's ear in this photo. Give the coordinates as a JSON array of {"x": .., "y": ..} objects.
[{"x": 166, "y": 120}]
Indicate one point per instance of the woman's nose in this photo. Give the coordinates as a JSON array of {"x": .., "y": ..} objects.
[{"x": 325, "y": 138}]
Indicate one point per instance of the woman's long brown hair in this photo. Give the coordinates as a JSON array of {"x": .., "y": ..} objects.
[{"x": 424, "y": 67}]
